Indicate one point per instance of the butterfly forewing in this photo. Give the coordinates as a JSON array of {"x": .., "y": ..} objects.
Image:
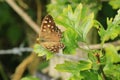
[{"x": 50, "y": 35}]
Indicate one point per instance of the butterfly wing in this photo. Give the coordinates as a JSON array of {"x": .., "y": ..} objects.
[
  {"x": 49, "y": 31},
  {"x": 50, "y": 35},
  {"x": 53, "y": 46}
]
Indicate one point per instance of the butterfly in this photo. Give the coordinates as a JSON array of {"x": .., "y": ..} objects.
[{"x": 50, "y": 35}]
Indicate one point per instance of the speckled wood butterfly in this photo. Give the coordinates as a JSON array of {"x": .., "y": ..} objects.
[{"x": 50, "y": 35}]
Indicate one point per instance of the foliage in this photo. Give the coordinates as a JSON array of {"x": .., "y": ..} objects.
[
  {"x": 99, "y": 65},
  {"x": 11, "y": 28},
  {"x": 42, "y": 51},
  {"x": 30, "y": 78},
  {"x": 56, "y": 7},
  {"x": 111, "y": 66},
  {"x": 115, "y": 4},
  {"x": 78, "y": 18},
  {"x": 108, "y": 61},
  {"x": 77, "y": 24},
  {"x": 113, "y": 29}
]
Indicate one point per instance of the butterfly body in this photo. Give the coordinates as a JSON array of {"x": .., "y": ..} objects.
[{"x": 50, "y": 35}]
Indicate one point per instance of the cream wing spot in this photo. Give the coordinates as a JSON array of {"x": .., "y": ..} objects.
[
  {"x": 45, "y": 22},
  {"x": 48, "y": 25}
]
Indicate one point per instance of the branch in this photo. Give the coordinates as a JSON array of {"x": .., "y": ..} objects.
[
  {"x": 16, "y": 50},
  {"x": 98, "y": 46},
  {"x": 21, "y": 67},
  {"x": 19, "y": 50},
  {"x": 23, "y": 15}
]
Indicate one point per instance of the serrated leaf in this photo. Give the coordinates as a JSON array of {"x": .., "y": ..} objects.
[
  {"x": 115, "y": 4},
  {"x": 85, "y": 65},
  {"x": 112, "y": 71},
  {"x": 68, "y": 66},
  {"x": 49, "y": 55},
  {"x": 70, "y": 41},
  {"x": 117, "y": 18},
  {"x": 38, "y": 49},
  {"x": 77, "y": 14},
  {"x": 111, "y": 54},
  {"x": 30, "y": 78},
  {"x": 92, "y": 75},
  {"x": 76, "y": 76},
  {"x": 74, "y": 67},
  {"x": 113, "y": 28},
  {"x": 76, "y": 27},
  {"x": 88, "y": 24}
]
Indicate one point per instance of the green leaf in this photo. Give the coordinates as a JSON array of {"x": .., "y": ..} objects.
[
  {"x": 115, "y": 4},
  {"x": 77, "y": 26},
  {"x": 85, "y": 65},
  {"x": 70, "y": 40},
  {"x": 82, "y": 23},
  {"x": 30, "y": 78},
  {"x": 49, "y": 55},
  {"x": 87, "y": 25},
  {"x": 76, "y": 76},
  {"x": 93, "y": 75},
  {"x": 68, "y": 66},
  {"x": 38, "y": 49},
  {"x": 112, "y": 71},
  {"x": 111, "y": 54},
  {"x": 117, "y": 18},
  {"x": 74, "y": 67},
  {"x": 113, "y": 28}
]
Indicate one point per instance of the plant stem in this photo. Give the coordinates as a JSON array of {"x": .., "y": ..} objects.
[{"x": 101, "y": 68}]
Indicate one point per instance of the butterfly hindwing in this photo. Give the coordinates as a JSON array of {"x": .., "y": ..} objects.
[{"x": 53, "y": 46}]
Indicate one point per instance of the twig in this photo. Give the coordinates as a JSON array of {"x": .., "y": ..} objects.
[
  {"x": 39, "y": 9},
  {"x": 98, "y": 46},
  {"x": 23, "y": 15},
  {"x": 100, "y": 68},
  {"x": 21, "y": 68},
  {"x": 16, "y": 50}
]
